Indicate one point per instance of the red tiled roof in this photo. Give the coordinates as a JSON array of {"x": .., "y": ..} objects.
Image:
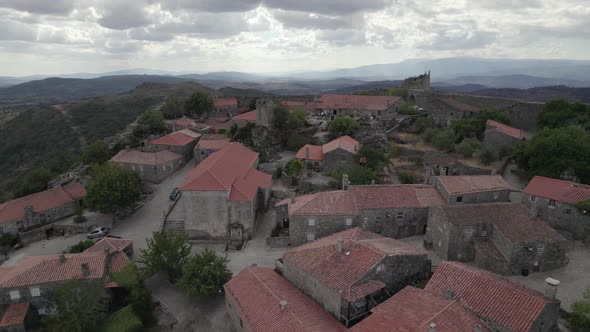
[
  {"x": 413, "y": 309},
  {"x": 466, "y": 184},
  {"x": 344, "y": 142},
  {"x": 489, "y": 296},
  {"x": 185, "y": 122},
  {"x": 315, "y": 152},
  {"x": 488, "y": 248},
  {"x": 15, "y": 314},
  {"x": 396, "y": 196},
  {"x": 189, "y": 132},
  {"x": 258, "y": 292},
  {"x": 145, "y": 158},
  {"x": 323, "y": 203},
  {"x": 558, "y": 190},
  {"x": 113, "y": 244},
  {"x": 354, "y": 102},
  {"x": 177, "y": 138},
  {"x": 511, "y": 219},
  {"x": 42, "y": 201},
  {"x": 492, "y": 125},
  {"x": 229, "y": 169},
  {"x": 228, "y": 101},
  {"x": 343, "y": 271},
  {"x": 248, "y": 116},
  {"x": 212, "y": 144},
  {"x": 460, "y": 106}
]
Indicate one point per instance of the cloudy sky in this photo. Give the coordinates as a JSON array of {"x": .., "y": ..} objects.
[{"x": 68, "y": 36}]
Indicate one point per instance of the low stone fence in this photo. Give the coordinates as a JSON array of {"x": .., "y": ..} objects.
[{"x": 277, "y": 242}]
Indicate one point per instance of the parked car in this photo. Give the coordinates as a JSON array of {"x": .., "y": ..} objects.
[
  {"x": 98, "y": 233},
  {"x": 174, "y": 194}
]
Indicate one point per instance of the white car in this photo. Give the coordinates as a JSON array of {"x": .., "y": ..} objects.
[{"x": 98, "y": 233}]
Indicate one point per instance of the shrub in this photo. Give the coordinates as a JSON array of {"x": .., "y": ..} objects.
[
  {"x": 444, "y": 139},
  {"x": 221, "y": 131},
  {"x": 468, "y": 147},
  {"x": 393, "y": 151},
  {"x": 79, "y": 215},
  {"x": 486, "y": 155},
  {"x": 123, "y": 320},
  {"x": 407, "y": 109},
  {"x": 429, "y": 134},
  {"x": 423, "y": 123},
  {"x": 81, "y": 246},
  {"x": 279, "y": 172},
  {"x": 343, "y": 125},
  {"x": 373, "y": 158},
  {"x": 406, "y": 177},
  {"x": 294, "y": 167}
]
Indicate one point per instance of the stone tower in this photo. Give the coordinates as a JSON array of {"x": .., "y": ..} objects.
[
  {"x": 421, "y": 82},
  {"x": 264, "y": 112}
]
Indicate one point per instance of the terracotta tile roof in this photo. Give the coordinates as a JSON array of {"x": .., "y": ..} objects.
[
  {"x": 511, "y": 219},
  {"x": 396, "y": 196},
  {"x": 492, "y": 125},
  {"x": 42, "y": 201},
  {"x": 248, "y": 116},
  {"x": 185, "y": 122},
  {"x": 343, "y": 271},
  {"x": 558, "y": 190},
  {"x": 489, "y": 249},
  {"x": 145, "y": 158},
  {"x": 315, "y": 152},
  {"x": 324, "y": 203},
  {"x": 177, "y": 138},
  {"x": 489, "y": 296},
  {"x": 258, "y": 292},
  {"x": 213, "y": 137},
  {"x": 229, "y": 169},
  {"x": 354, "y": 102},
  {"x": 363, "y": 289},
  {"x": 460, "y": 106},
  {"x": 344, "y": 142},
  {"x": 413, "y": 310},
  {"x": 227, "y": 101},
  {"x": 189, "y": 132},
  {"x": 212, "y": 144},
  {"x": 113, "y": 244},
  {"x": 15, "y": 314},
  {"x": 466, "y": 184}
]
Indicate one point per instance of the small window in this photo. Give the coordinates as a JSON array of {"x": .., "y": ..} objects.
[
  {"x": 484, "y": 233},
  {"x": 568, "y": 211},
  {"x": 400, "y": 215},
  {"x": 310, "y": 236},
  {"x": 459, "y": 199},
  {"x": 551, "y": 203},
  {"x": 468, "y": 233},
  {"x": 380, "y": 268},
  {"x": 53, "y": 211},
  {"x": 14, "y": 295},
  {"x": 540, "y": 248},
  {"x": 348, "y": 221},
  {"x": 35, "y": 291},
  {"x": 496, "y": 196},
  {"x": 311, "y": 222},
  {"x": 241, "y": 323},
  {"x": 203, "y": 153},
  {"x": 533, "y": 198}
]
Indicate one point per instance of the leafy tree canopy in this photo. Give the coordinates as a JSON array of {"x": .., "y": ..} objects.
[
  {"x": 476, "y": 126},
  {"x": 552, "y": 151},
  {"x": 35, "y": 181},
  {"x": 286, "y": 123},
  {"x": 357, "y": 175},
  {"x": 166, "y": 253},
  {"x": 96, "y": 153},
  {"x": 112, "y": 189},
  {"x": 205, "y": 274},
  {"x": 294, "y": 167},
  {"x": 81, "y": 246},
  {"x": 152, "y": 122},
  {"x": 173, "y": 108},
  {"x": 199, "y": 103},
  {"x": 343, "y": 125},
  {"x": 122, "y": 320},
  {"x": 580, "y": 320},
  {"x": 372, "y": 158},
  {"x": 560, "y": 113}
]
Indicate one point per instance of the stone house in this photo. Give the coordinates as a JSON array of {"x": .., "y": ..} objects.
[
  {"x": 335, "y": 155},
  {"x": 500, "y": 237},
  {"x": 29, "y": 284},
  {"x": 503, "y": 304},
  {"x": 181, "y": 142},
  {"x": 468, "y": 189},
  {"x": 259, "y": 299},
  {"x": 208, "y": 144},
  {"x": 351, "y": 272},
  {"x": 395, "y": 211},
  {"x": 23, "y": 214},
  {"x": 553, "y": 201},
  {"x": 186, "y": 123},
  {"x": 414, "y": 309},
  {"x": 225, "y": 106},
  {"x": 374, "y": 107},
  {"x": 222, "y": 195},
  {"x": 500, "y": 136},
  {"x": 151, "y": 166},
  {"x": 444, "y": 110}
]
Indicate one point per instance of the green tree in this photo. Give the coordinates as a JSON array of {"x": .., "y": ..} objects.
[
  {"x": 96, "y": 153},
  {"x": 423, "y": 123},
  {"x": 233, "y": 130},
  {"x": 166, "y": 252},
  {"x": 112, "y": 189},
  {"x": 205, "y": 274},
  {"x": 294, "y": 167},
  {"x": 486, "y": 155},
  {"x": 560, "y": 113},
  {"x": 199, "y": 103},
  {"x": 406, "y": 177},
  {"x": 373, "y": 158},
  {"x": 343, "y": 125},
  {"x": 81, "y": 246},
  {"x": 122, "y": 320},
  {"x": 286, "y": 123},
  {"x": 475, "y": 126},
  {"x": 468, "y": 147},
  {"x": 551, "y": 151},
  {"x": 357, "y": 175},
  {"x": 35, "y": 181},
  {"x": 79, "y": 215},
  {"x": 140, "y": 298},
  {"x": 580, "y": 319},
  {"x": 444, "y": 139},
  {"x": 407, "y": 108},
  {"x": 7, "y": 241},
  {"x": 81, "y": 306},
  {"x": 152, "y": 122},
  {"x": 244, "y": 134},
  {"x": 173, "y": 108}
]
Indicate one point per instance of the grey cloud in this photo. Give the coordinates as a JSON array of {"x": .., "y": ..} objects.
[
  {"x": 506, "y": 4},
  {"x": 54, "y": 7},
  {"x": 328, "y": 7},
  {"x": 16, "y": 31},
  {"x": 301, "y": 20},
  {"x": 342, "y": 37},
  {"x": 118, "y": 15},
  {"x": 210, "y": 5},
  {"x": 458, "y": 39},
  {"x": 150, "y": 34}
]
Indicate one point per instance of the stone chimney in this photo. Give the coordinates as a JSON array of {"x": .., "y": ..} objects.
[
  {"x": 345, "y": 182},
  {"x": 340, "y": 244},
  {"x": 306, "y": 152},
  {"x": 292, "y": 198},
  {"x": 372, "y": 182},
  {"x": 551, "y": 288},
  {"x": 85, "y": 270},
  {"x": 62, "y": 258},
  {"x": 432, "y": 327},
  {"x": 283, "y": 305},
  {"x": 449, "y": 294}
]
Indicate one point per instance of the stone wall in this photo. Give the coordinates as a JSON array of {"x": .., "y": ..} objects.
[
  {"x": 395, "y": 223},
  {"x": 562, "y": 217},
  {"x": 205, "y": 214},
  {"x": 421, "y": 82},
  {"x": 469, "y": 198},
  {"x": 187, "y": 151},
  {"x": 154, "y": 173},
  {"x": 265, "y": 112},
  {"x": 497, "y": 140},
  {"x": 337, "y": 160},
  {"x": 400, "y": 271},
  {"x": 299, "y": 227},
  {"x": 233, "y": 313}
]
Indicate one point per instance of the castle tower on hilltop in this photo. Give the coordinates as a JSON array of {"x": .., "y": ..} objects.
[{"x": 421, "y": 82}]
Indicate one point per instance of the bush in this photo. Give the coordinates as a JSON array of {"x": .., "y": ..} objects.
[
  {"x": 81, "y": 246},
  {"x": 294, "y": 167},
  {"x": 205, "y": 274},
  {"x": 444, "y": 139},
  {"x": 295, "y": 142},
  {"x": 429, "y": 134},
  {"x": 343, "y": 125},
  {"x": 580, "y": 319},
  {"x": 393, "y": 151},
  {"x": 372, "y": 158},
  {"x": 423, "y": 123},
  {"x": 475, "y": 126},
  {"x": 279, "y": 172},
  {"x": 468, "y": 147},
  {"x": 407, "y": 109},
  {"x": 406, "y": 177},
  {"x": 79, "y": 215},
  {"x": 486, "y": 155},
  {"x": 123, "y": 320}
]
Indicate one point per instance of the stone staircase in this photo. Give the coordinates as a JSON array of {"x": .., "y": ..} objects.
[{"x": 174, "y": 226}]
